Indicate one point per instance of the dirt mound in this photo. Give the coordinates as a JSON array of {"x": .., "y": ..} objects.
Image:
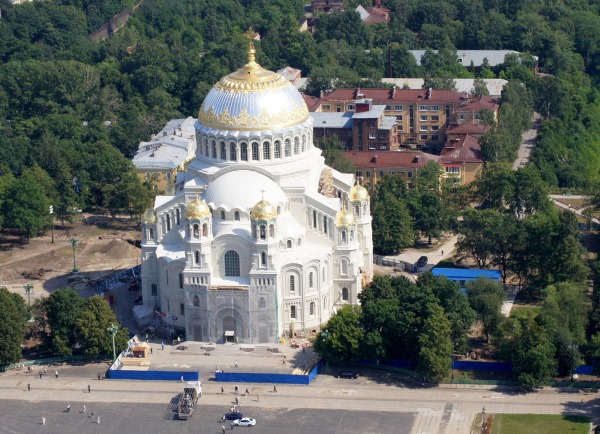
[{"x": 116, "y": 249}]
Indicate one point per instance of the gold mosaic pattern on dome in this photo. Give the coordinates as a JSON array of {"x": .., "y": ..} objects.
[
  {"x": 251, "y": 78},
  {"x": 246, "y": 121}
]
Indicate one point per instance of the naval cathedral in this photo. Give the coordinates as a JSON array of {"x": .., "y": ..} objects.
[{"x": 260, "y": 240}]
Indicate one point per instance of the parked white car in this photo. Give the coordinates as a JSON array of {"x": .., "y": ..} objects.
[{"x": 245, "y": 421}]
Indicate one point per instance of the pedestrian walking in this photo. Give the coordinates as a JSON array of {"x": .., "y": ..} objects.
[
  {"x": 222, "y": 390},
  {"x": 150, "y": 350},
  {"x": 236, "y": 364},
  {"x": 237, "y": 400},
  {"x": 223, "y": 428},
  {"x": 274, "y": 388},
  {"x": 162, "y": 345},
  {"x": 84, "y": 409},
  {"x": 40, "y": 375},
  {"x": 247, "y": 391},
  {"x": 43, "y": 421},
  {"x": 283, "y": 362},
  {"x": 98, "y": 375},
  {"x": 92, "y": 415},
  {"x": 98, "y": 420},
  {"x": 28, "y": 387},
  {"x": 68, "y": 408},
  {"x": 257, "y": 397},
  {"x": 442, "y": 253},
  {"x": 44, "y": 369},
  {"x": 236, "y": 389},
  {"x": 56, "y": 373}
]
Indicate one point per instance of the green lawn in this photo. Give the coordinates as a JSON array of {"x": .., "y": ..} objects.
[
  {"x": 521, "y": 312},
  {"x": 539, "y": 424}
]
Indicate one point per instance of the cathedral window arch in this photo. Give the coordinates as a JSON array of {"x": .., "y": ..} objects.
[
  {"x": 151, "y": 233},
  {"x": 344, "y": 267},
  {"x": 197, "y": 257},
  {"x": 232, "y": 151},
  {"x": 154, "y": 290},
  {"x": 345, "y": 295},
  {"x": 277, "y": 149},
  {"x": 278, "y": 210},
  {"x": 296, "y": 145},
  {"x": 289, "y": 244},
  {"x": 325, "y": 224},
  {"x": 255, "y": 151},
  {"x": 312, "y": 308},
  {"x": 311, "y": 279},
  {"x": 180, "y": 280},
  {"x": 168, "y": 217},
  {"x": 266, "y": 151},
  {"x": 292, "y": 283},
  {"x": 223, "y": 151},
  {"x": 214, "y": 149},
  {"x": 232, "y": 263},
  {"x": 263, "y": 259},
  {"x": 272, "y": 231},
  {"x": 324, "y": 274},
  {"x": 303, "y": 142},
  {"x": 343, "y": 236},
  {"x": 293, "y": 312},
  {"x": 262, "y": 230},
  {"x": 177, "y": 216},
  {"x": 299, "y": 242},
  {"x": 244, "y": 151},
  {"x": 205, "y": 230},
  {"x": 357, "y": 210},
  {"x": 196, "y": 302},
  {"x": 288, "y": 148},
  {"x": 236, "y": 215},
  {"x": 222, "y": 215}
]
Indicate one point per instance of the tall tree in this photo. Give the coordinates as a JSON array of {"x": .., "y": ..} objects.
[
  {"x": 12, "y": 327},
  {"x": 435, "y": 355},
  {"x": 91, "y": 327},
  {"x": 486, "y": 298},
  {"x": 340, "y": 339}
]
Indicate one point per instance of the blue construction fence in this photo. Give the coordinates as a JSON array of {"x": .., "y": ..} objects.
[
  {"x": 255, "y": 377},
  {"x": 154, "y": 375},
  {"x": 106, "y": 284}
]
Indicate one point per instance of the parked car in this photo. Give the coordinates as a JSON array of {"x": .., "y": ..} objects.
[
  {"x": 245, "y": 421},
  {"x": 233, "y": 416},
  {"x": 347, "y": 374},
  {"x": 134, "y": 286},
  {"x": 422, "y": 261}
]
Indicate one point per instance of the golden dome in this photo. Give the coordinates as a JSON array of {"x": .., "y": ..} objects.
[
  {"x": 344, "y": 218},
  {"x": 263, "y": 210},
  {"x": 358, "y": 192},
  {"x": 253, "y": 98},
  {"x": 149, "y": 216},
  {"x": 197, "y": 209}
]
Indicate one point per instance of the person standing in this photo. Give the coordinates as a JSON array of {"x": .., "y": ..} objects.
[
  {"x": 89, "y": 389},
  {"x": 98, "y": 420},
  {"x": 56, "y": 373},
  {"x": 84, "y": 408},
  {"x": 28, "y": 387},
  {"x": 40, "y": 375},
  {"x": 237, "y": 400},
  {"x": 43, "y": 421},
  {"x": 68, "y": 408},
  {"x": 222, "y": 390},
  {"x": 257, "y": 397},
  {"x": 236, "y": 389},
  {"x": 98, "y": 375},
  {"x": 275, "y": 388},
  {"x": 236, "y": 364},
  {"x": 223, "y": 428}
]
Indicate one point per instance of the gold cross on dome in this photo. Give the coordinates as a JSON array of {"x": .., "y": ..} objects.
[{"x": 251, "y": 35}]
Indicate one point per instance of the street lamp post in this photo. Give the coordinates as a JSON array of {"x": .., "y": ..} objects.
[
  {"x": 28, "y": 288},
  {"x": 573, "y": 348},
  {"x": 112, "y": 329},
  {"x": 74, "y": 242},
  {"x": 483, "y": 420}
]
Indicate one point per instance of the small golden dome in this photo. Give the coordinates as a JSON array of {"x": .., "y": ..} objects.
[
  {"x": 263, "y": 210},
  {"x": 149, "y": 216},
  {"x": 358, "y": 192},
  {"x": 344, "y": 218},
  {"x": 197, "y": 209}
]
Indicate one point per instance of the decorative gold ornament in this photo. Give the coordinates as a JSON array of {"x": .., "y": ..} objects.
[
  {"x": 358, "y": 192},
  {"x": 344, "y": 218},
  {"x": 197, "y": 209},
  {"x": 263, "y": 210},
  {"x": 245, "y": 121}
]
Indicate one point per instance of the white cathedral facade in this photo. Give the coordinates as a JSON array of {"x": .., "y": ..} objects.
[{"x": 261, "y": 240}]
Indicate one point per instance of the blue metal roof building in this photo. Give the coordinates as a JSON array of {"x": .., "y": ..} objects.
[{"x": 463, "y": 275}]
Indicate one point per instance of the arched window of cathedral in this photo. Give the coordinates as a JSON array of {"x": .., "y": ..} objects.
[
  {"x": 365, "y": 209},
  {"x": 196, "y": 231},
  {"x": 325, "y": 224},
  {"x": 296, "y": 145},
  {"x": 293, "y": 312},
  {"x": 289, "y": 244},
  {"x": 196, "y": 301},
  {"x": 223, "y": 151},
  {"x": 177, "y": 216},
  {"x": 272, "y": 231},
  {"x": 168, "y": 222},
  {"x": 262, "y": 303},
  {"x": 311, "y": 279},
  {"x": 222, "y": 215},
  {"x": 154, "y": 290},
  {"x": 277, "y": 149},
  {"x": 299, "y": 242},
  {"x": 292, "y": 283},
  {"x": 197, "y": 257},
  {"x": 205, "y": 230},
  {"x": 263, "y": 259},
  {"x": 351, "y": 235},
  {"x": 263, "y": 232},
  {"x": 278, "y": 210},
  {"x": 325, "y": 303},
  {"x": 232, "y": 152},
  {"x": 214, "y": 149},
  {"x": 344, "y": 266},
  {"x": 312, "y": 308},
  {"x": 324, "y": 274},
  {"x": 266, "y": 151},
  {"x": 232, "y": 263},
  {"x": 303, "y": 142},
  {"x": 236, "y": 215},
  {"x": 288, "y": 148},
  {"x": 343, "y": 236},
  {"x": 151, "y": 233},
  {"x": 345, "y": 294},
  {"x": 255, "y": 151},
  {"x": 244, "y": 151},
  {"x": 357, "y": 210},
  {"x": 180, "y": 280}
]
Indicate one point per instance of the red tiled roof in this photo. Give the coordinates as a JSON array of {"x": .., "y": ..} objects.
[
  {"x": 397, "y": 159},
  {"x": 312, "y": 102},
  {"x": 377, "y": 15},
  {"x": 479, "y": 103},
  {"x": 383, "y": 96},
  {"x": 468, "y": 128},
  {"x": 463, "y": 150}
]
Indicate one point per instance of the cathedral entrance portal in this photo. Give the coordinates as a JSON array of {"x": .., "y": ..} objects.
[{"x": 229, "y": 329}]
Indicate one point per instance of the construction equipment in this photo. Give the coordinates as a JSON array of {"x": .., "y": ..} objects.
[{"x": 188, "y": 399}]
